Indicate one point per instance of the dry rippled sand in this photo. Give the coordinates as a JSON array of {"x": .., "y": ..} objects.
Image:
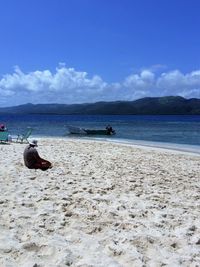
[{"x": 101, "y": 204}]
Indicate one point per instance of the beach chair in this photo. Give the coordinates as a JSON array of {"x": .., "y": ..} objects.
[
  {"x": 4, "y": 137},
  {"x": 24, "y": 137}
]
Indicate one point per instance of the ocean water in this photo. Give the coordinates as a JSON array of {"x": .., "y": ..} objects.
[{"x": 175, "y": 130}]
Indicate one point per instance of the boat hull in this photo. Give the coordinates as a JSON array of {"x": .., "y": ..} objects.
[
  {"x": 76, "y": 130},
  {"x": 97, "y": 132}
]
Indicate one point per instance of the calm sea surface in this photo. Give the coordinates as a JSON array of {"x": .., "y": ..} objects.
[{"x": 173, "y": 129}]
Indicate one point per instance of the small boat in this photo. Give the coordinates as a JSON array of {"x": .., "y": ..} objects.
[{"x": 78, "y": 130}]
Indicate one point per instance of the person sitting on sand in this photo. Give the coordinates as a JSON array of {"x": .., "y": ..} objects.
[{"x": 32, "y": 160}]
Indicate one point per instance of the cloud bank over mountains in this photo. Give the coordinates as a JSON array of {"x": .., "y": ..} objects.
[{"x": 67, "y": 85}]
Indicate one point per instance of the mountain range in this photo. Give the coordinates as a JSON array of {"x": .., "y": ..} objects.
[{"x": 169, "y": 105}]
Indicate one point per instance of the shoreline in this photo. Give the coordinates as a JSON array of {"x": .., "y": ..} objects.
[
  {"x": 171, "y": 147},
  {"x": 185, "y": 148}
]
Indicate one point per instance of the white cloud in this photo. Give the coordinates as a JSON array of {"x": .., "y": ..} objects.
[
  {"x": 141, "y": 80},
  {"x": 67, "y": 85},
  {"x": 176, "y": 83}
]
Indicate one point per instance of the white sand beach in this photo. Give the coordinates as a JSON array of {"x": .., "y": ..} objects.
[{"x": 101, "y": 205}]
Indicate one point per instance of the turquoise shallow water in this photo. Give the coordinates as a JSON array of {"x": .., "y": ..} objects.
[{"x": 154, "y": 130}]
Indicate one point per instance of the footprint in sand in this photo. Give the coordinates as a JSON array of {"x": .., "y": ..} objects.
[{"x": 31, "y": 246}]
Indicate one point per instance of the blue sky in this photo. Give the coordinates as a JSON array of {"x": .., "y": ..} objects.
[{"x": 74, "y": 51}]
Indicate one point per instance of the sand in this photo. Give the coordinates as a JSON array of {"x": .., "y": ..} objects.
[{"x": 101, "y": 204}]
